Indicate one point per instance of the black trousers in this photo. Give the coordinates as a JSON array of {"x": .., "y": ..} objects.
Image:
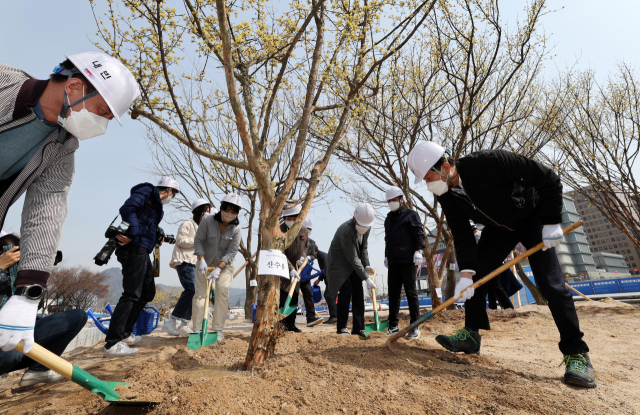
[
  {"x": 497, "y": 295},
  {"x": 402, "y": 275},
  {"x": 307, "y": 296},
  {"x": 493, "y": 247},
  {"x": 139, "y": 289},
  {"x": 331, "y": 301},
  {"x": 351, "y": 292},
  {"x": 289, "y": 320}
]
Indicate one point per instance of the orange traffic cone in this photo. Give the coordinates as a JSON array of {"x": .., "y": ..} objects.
[{"x": 379, "y": 307}]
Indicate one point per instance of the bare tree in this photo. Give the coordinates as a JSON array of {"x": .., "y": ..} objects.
[{"x": 76, "y": 287}]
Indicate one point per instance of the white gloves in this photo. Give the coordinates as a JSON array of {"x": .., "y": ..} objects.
[
  {"x": 202, "y": 266},
  {"x": 386, "y": 262},
  {"x": 369, "y": 270},
  {"x": 417, "y": 258},
  {"x": 370, "y": 283},
  {"x": 461, "y": 287},
  {"x": 215, "y": 274},
  {"x": 293, "y": 274},
  {"x": 17, "y": 319},
  {"x": 552, "y": 235},
  {"x": 301, "y": 261}
]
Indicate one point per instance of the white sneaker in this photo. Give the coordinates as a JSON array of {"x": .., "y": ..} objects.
[
  {"x": 220, "y": 336},
  {"x": 117, "y": 350},
  {"x": 133, "y": 339},
  {"x": 170, "y": 329},
  {"x": 31, "y": 377},
  {"x": 184, "y": 330}
]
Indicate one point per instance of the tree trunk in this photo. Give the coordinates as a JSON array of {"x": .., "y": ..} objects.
[
  {"x": 267, "y": 324},
  {"x": 251, "y": 273},
  {"x": 540, "y": 300},
  {"x": 451, "y": 281}
]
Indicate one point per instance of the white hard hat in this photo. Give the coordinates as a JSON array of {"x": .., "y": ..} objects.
[
  {"x": 364, "y": 214},
  {"x": 233, "y": 198},
  {"x": 308, "y": 224},
  {"x": 113, "y": 81},
  {"x": 423, "y": 157},
  {"x": 293, "y": 211},
  {"x": 166, "y": 181},
  {"x": 393, "y": 192},
  {"x": 199, "y": 202}
]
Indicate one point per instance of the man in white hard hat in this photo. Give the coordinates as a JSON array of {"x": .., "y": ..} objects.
[
  {"x": 41, "y": 122},
  {"x": 403, "y": 243},
  {"x": 143, "y": 211},
  {"x": 348, "y": 266},
  {"x": 518, "y": 200}
]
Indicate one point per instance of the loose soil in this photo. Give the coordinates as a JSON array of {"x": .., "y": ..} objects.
[{"x": 318, "y": 372}]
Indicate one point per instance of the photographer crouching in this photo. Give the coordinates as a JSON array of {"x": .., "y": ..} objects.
[{"x": 142, "y": 212}]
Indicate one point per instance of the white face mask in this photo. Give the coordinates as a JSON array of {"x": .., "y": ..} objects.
[
  {"x": 167, "y": 200},
  {"x": 289, "y": 223},
  {"x": 393, "y": 206},
  {"x": 309, "y": 230},
  {"x": 228, "y": 217},
  {"x": 362, "y": 229},
  {"x": 84, "y": 124}
]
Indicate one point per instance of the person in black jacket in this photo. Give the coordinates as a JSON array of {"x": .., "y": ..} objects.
[
  {"x": 518, "y": 200},
  {"x": 331, "y": 301},
  {"x": 404, "y": 239}
]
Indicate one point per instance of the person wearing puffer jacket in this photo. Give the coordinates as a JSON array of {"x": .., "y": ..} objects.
[{"x": 184, "y": 261}]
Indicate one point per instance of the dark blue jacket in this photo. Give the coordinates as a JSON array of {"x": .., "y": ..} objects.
[
  {"x": 322, "y": 260},
  {"x": 142, "y": 229}
]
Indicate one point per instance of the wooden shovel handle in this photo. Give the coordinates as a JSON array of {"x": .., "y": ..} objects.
[
  {"x": 295, "y": 280},
  {"x": 48, "y": 359},
  {"x": 373, "y": 290},
  {"x": 478, "y": 283},
  {"x": 578, "y": 292}
]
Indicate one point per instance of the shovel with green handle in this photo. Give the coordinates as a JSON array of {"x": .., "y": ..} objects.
[
  {"x": 392, "y": 341},
  {"x": 378, "y": 325},
  {"x": 287, "y": 309},
  {"x": 203, "y": 339},
  {"x": 106, "y": 390}
]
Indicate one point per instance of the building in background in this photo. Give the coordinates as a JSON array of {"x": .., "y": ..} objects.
[
  {"x": 574, "y": 253},
  {"x": 603, "y": 236},
  {"x": 611, "y": 263}
]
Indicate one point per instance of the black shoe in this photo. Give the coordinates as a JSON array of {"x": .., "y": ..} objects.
[
  {"x": 392, "y": 330},
  {"x": 315, "y": 322},
  {"x": 463, "y": 340},
  {"x": 343, "y": 331},
  {"x": 293, "y": 328},
  {"x": 360, "y": 333},
  {"x": 578, "y": 370},
  {"x": 332, "y": 320}
]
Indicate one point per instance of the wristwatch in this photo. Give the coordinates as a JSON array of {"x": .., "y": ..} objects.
[{"x": 32, "y": 292}]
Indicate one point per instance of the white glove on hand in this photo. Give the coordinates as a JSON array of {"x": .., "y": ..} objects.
[
  {"x": 369, "y": 270},
  {"x": 386, "y": 262},
  {"x": 293, "y": 274},
  {"x": 17, "y": 319},
  {"x": 462, "y": 286},
  {"x": 215, "y": 274},
  {"x": 202, "y": 266},
  {"x": 370, "y": 283},
  {"x": 552, "y": 235},
  {"x": 417, "y": 258},
  {"x": 301, "y": 261}
]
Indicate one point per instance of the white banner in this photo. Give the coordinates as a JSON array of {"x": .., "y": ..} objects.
[{"x": 273, "y": 262}]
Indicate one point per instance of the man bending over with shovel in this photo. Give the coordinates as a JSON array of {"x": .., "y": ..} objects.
[{"x": 518, "y": 200}]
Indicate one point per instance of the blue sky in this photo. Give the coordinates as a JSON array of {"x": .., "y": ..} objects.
[{"x": 37, "y": 35}]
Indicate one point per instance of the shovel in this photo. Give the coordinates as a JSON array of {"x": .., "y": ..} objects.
[
  {"x": 106, "y": 390},
  {"x": 378, "y": 325},
  {"x": 391, "y": 341},
  {"x": 210, "y": 269},
  {"x": 287, "y": 309},
  {"x": 203, "y": 339}
]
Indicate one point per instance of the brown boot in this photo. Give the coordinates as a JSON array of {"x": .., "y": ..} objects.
[{"x": 332, "y": 320}]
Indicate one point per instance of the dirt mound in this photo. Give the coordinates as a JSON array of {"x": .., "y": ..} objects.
[{"x": 228, "y": 351}]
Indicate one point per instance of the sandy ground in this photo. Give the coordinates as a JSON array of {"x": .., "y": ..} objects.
[{"x": 318, "y": 372}]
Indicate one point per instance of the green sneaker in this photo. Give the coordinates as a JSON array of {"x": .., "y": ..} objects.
[
  {"x": 463, "y": 340},
  {"x": 579, "y": 370}
]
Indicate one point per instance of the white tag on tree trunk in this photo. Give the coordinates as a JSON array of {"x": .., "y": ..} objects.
[
  {"x": 253, "y": 283},
  {"x": 439, "y": 292},
  {"x": 273, "y": 262},
  {"x": 452, "y": 267}
]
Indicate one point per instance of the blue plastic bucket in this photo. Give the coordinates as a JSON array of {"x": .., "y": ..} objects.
[
  {"x": 317, "y": 293},
  {"x": 254, "y": 308}
]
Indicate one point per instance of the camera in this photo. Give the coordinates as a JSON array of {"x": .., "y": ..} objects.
[
  {"x": 160, "y": 237},
  {"x": 107, "y": 250}
]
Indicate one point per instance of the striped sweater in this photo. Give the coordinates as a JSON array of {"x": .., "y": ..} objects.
[{"x": 46, "y": 179}]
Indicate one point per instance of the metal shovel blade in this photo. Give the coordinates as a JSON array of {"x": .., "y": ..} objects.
[
  {"x": 287, "y": 309},
  {"x": 381, "y": 326},
  {"x": 202, "y": 339}
]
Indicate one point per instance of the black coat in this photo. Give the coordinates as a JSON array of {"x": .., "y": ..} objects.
[
  {"x": 322, "y": 260},
  {"x": 500, "y": 189},
  {"x": 403, "y": 235}
]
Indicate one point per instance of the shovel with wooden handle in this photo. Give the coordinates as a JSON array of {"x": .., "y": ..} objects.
[
  {"x": 203, "y": 339},
  {"x": 391, "y": 341},
  {"x": 106, "y": 390},
  {"x": 287, "y": 309},
  {"x": 210, "y": 269},
  {"x": 377, "y": 325}
]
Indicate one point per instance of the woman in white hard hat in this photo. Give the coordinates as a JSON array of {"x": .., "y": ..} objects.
[
  {"x": 216, "y": 244},
  {"x": 348, "y": 266},
  {"x": 518, "y": 200},
  {"x": 184, "y": 261},
  {"x": 403, "y": 241},
  {"x": 41, "y": 122}
]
